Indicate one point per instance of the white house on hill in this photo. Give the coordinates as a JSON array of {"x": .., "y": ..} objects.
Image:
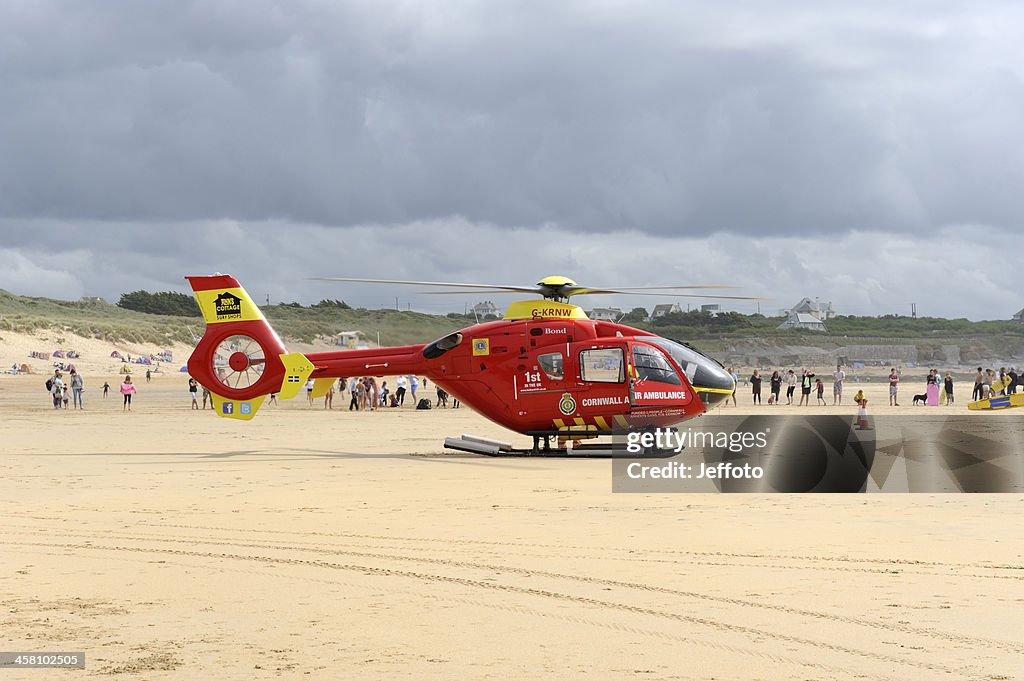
[
  {"x": 803, "y": 321},
  {"x": 1019, "y": 317},
  {"x": 486, "y": 308},
  {"x": 605, "y": 314},
  {"x": 667, "y": 308},
  {"x": 815, "y": 308}
]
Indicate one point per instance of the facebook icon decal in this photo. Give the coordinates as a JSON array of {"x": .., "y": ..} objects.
[{"x": 229, "y": 407}]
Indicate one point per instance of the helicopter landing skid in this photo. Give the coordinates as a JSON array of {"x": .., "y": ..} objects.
[{"x": 542, "y": 448}]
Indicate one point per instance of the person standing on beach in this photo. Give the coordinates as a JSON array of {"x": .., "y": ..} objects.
[
  {"x": 862, "y": 415},
  {"x": 821, "y": 392},
  {"x": 755, "y": 385},
  {"x": 193, "y": 390},
  {"x": 790, "y": 386},
  {"x": 776, "y": 386},
  {"x": 329, "y": 398},
  {"x": 979, "y": 380},
  {"x": 837, "y": 385},
  {"x": 207, "y": 396},
  {"x": 77, "y": 387},
  {"x": 374, "y": 394},
  {"x": 149, "y": 375},
  {"x": 127, "y": 389},
  {"x": 401, "y": 382},
  {"x": 106, "y": 389},
  {"x": 894, "y": 382},
  {"x": 57, "y": 390},
  {"x": 805, "y": 388},
  {"x": 310, "y": 384},
  {"x": 353, "y": 386},
  {"x": 948, "y": 385},
  {"x": 413, "y": 384}
]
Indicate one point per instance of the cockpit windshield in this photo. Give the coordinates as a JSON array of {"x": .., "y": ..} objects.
[
  {"x": 701, "y": 370},
  {"x": 651, "y": 365}
]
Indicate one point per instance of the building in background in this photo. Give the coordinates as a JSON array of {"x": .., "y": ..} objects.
[
  {"x": 667, "y": 308},
  {"x": 350, "y": 339},
  {"x": 605, "y": 314},
  {"x": 486, "y": 308},
  {"x": 800, "y": 320},
  {"x": 815, "y": 308}
]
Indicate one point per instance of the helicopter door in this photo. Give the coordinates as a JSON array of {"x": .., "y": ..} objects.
[
  {"x": 602, "y": 377},
  {"x": 540, "y": 384},
  {"x": 654, "y": 381}
]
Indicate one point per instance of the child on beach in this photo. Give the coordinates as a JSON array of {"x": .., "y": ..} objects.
[
  {"x": 127, "y": 389},
  {"x": 862, "y": 415},
  {"x": 820, "y": 387},
  {"x": 106, "y": 388}
]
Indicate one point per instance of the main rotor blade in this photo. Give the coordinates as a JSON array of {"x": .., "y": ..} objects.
[
  {"x": 488, "y": 287},
  {"x": 538, "y": 291},
  {"x": 670, "y": 288},
  {"x": 586, "y": 291},
  {"x": 597, "y": 291}
]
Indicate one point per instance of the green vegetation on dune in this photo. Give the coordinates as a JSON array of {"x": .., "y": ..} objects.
[
  {"x": 113, "y": 323},
  {"x": 329, "y": 317},
  {"x": 395, "y": 327},
  {"x": 168, "y": 303}
]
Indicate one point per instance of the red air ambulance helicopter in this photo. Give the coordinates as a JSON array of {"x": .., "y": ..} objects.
[{"x": 544, "y": 370}]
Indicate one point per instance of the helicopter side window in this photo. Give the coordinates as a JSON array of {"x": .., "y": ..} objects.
[
  {"x": 603, "y": 365},
  {"x": 552, "y": 365},
  {"x": 651, "y": 365},
  {"x": 442, "y": 345}
]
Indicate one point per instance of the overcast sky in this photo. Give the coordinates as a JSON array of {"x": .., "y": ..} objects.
[{"x": 869, "y": 153}]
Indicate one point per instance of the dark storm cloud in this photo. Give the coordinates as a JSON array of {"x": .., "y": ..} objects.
[
  {"x": 668, "y": 118},
  {"x": 953, "y": 273}
]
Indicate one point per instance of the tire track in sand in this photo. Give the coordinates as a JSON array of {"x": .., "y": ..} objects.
[
  {"x": 542, "y": 593},
  {"x": 971, "y": 641}
]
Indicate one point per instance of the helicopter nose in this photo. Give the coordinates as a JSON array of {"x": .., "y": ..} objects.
[{"x": 712, "y": 382}]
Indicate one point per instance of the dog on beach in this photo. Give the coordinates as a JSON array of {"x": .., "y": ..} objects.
[{"x": 922, "y": 399}]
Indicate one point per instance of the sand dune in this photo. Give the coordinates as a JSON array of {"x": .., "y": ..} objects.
[{"x": 170, "y": 544}]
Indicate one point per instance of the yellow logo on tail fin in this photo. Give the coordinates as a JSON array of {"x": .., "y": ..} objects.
[{"x": 227, "y": 305}]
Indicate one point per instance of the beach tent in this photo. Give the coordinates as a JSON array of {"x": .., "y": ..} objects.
[
  {"x": 115, "y": 355},
  {"x": 58, "y": 353},
  {"x": 183, "y": 370}
]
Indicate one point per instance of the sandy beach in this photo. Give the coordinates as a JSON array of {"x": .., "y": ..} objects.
[{"x": 170, "y": 544}]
